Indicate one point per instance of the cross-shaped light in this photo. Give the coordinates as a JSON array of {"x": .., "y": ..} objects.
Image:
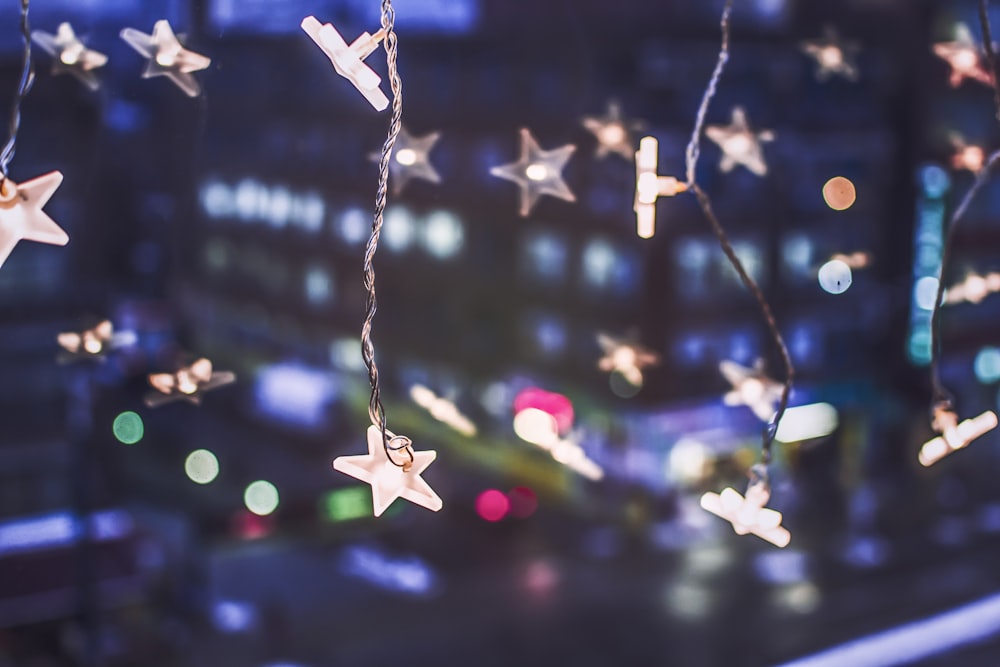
[{"x": 649, "y": 186}]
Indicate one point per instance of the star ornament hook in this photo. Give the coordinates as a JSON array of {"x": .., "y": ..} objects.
[
  {"x": 70, "y": 54},
  {"x": 537, "y": 172},
  {"x": 349, "y": 60},
  {"x": 21, "y": 215},
  {"x": 748, "y": 515},
  {"x": 166, "y": 57},
  {"x": 649, "y": 186},
  {"x": 387, "y": 479},
  {"x": 954, "y": 435},
  {"x": 188, "y": 383}
]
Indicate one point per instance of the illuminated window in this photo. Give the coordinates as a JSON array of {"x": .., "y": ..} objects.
[
  {"x": 318, "y": 285},
  {"x": 216, "y": 200},
  {"x": 606, "y": 267},
  {"x": 797, "y": 256},
  {"x": 398, "y": 230},
  {"x": 544, "y": 256},
  {"x": 354, "y": 225}
]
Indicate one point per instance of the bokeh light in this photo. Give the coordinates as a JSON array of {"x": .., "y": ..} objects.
[
  {"x": 523, "y": 502},
  {"x": 201, "y": 466},
  {"x": 535, "y": 426},
  {"x": 261, "y": 497},
  {"x": 835, "y": 276},
  {"x": 839, "y": 193},
  {"x": 987, "y": 365},
  {"x": 492, "y": 505},
  {"x": 128, "y": 428}
]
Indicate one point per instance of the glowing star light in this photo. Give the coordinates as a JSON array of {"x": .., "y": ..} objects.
[
  {"x": 613, "y": 132},
  {"x": 973, "y": 289},
  {"x": 967, "y": 156},
  {"x": 349, "y": 60},
  {"x": 537, "y": 172},
  {"x": 70, "y": 54},
  {"x": 388, "y": 480},
  {"x": 649, "y": 186},
  {"x": 541, "y": 428},
  {"x": 954, "y": 436},
  {"x": 442, "y": 409},
  {"x": 625, "y": 358},
  {"x": 187, "y": 383},
  {"x": 964, "y": 57},
  {"x": 92, "y": 343},
  {"x": 740, "y": 144},
  {"x": 832, "y": 55},
  {"x": 166, "y": 57},
  {"x": 21, "y": 215},
  {"x": 748, "y": 515},
  {"x": 411, "y": 159},
  {"x": 751, "y": 387}
]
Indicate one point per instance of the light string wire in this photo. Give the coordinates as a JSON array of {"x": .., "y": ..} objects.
[
  {"x": 376, "y": 412},
  {"x": 23, "y": 87},
  {"x": 941, "y": 397},
  {"x": 691, "y": 160}
]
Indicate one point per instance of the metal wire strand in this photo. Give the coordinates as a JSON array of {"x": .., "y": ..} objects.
[
  {"x": 375, "y": 410},
  {"x": 23, "y": 86},
  {"x": 691, "y": 161},
  {"x": 941, "y": 396},
  {"x": 991, "y": 56}
]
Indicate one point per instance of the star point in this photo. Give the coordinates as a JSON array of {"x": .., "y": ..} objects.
[
  {"x": 537, "y": 172},
  {"x": 740, "y": 144},
  {"x": 21, "y": 214},
  {"x": 167, "y": 57},
  {"x": 70, "y": 54},
  {"x": 388, "y": 480}
]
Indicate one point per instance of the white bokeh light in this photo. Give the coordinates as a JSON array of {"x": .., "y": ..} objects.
[
  {"x": 201, "y": 466},
  {"x": 261, "y": 497},
  {"x": 835, "y": 276}
]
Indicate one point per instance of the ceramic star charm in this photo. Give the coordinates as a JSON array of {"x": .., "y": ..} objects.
[
  {"x": 166, "y": 57},
  {"x": 21, "y": 215},
  {"x": 388, "y": 480},
  {"x": 349, "y": 60},
  {"x": 649, "y": 186},
  {"x": 612, "y": 131},
  {"x": 70, "y": 54},
  {"x": 188, "y": 383},
  {"x": 751, "y": 387},
  {"x": 625, "y": 358},
  {"x": 411, "y": 159},
  {"x": 954, "y": 436},
  {"x": 832, "y": 55},
  {"x": 740, "y": 144},
  {"x": 537, "y": 172},
  {"x": 748, "y": 515},
  {"x": 964, "y": 57}
]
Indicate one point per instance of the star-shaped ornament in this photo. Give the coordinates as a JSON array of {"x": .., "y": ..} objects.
[
  {"x": 70, "y": 54},
  {"x": 166, "y": 57},
  {"x": 389, "y": 480},
  {"x": 612, "y": 131},
  {"x": 537, "y": 172},
  {"x": 967, "y": 156},
  {"x": 21, "y": 215},
  {"x": 751, "y": 387},
  {"x": 964, "y": 57},
  {"x": 740, "y": 144},
  {"x": 411, "y": 159},
  {"x": 188, "y": 383},
  {"x": 833, "y": 56},
  {"x": 349, "y": 60},
  {"x": 973, "y": 289},
  {"x": 625, "y": 357},
  {"x": 92, "y": 343},
  {"x": 954, "y": 436},
  {"x": 748, "y": 515},
  {"x": 649, "y": 186}
]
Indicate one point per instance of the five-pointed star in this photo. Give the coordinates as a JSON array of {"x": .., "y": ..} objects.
[
  {"x": 21, "y": 215},
  {"x": 70, "y": 54},
  {"x": 748, "y": 515},
  {"x": 388, "y": 480},
  {"x": 537, "y": 172},
  {"x": 740, "y": 144},
  {"x": 967, "y": 156},
  {"x": 832, "y": 56},
  {"x": 964, "y": 58},
  {"x": 411, "y": 159},
  {"x": 751, "y": 387},
  {"x": 613, "y": 132},
  {"x": 166, "y": 56},
  {"x": 188, "y": 383},
  {"x": 625, "y": 357}
]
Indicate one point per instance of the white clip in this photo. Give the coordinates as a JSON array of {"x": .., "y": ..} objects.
[
  {"x": 954, "y": 436},
  {"x": 649, "y": 186},
  {"x": 349, "y": 60}
]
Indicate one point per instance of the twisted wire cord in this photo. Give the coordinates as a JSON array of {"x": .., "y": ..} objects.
[
  {"x": 691, "y": 161},
  {"x": 375, "y": 410},
  {"x": 991, "y": 57},
  {"x": 23, "y": 86},
  {"x": 941, "y": 395}
]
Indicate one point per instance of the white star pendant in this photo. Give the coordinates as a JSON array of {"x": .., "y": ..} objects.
[
  {"x": 389, "y": 481},
  {"x": 21, "y": 215},
  {"x": 537, "y": 172},
  {"x": 70, "y": 54},
  {"x": 166, "y": 56}
]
